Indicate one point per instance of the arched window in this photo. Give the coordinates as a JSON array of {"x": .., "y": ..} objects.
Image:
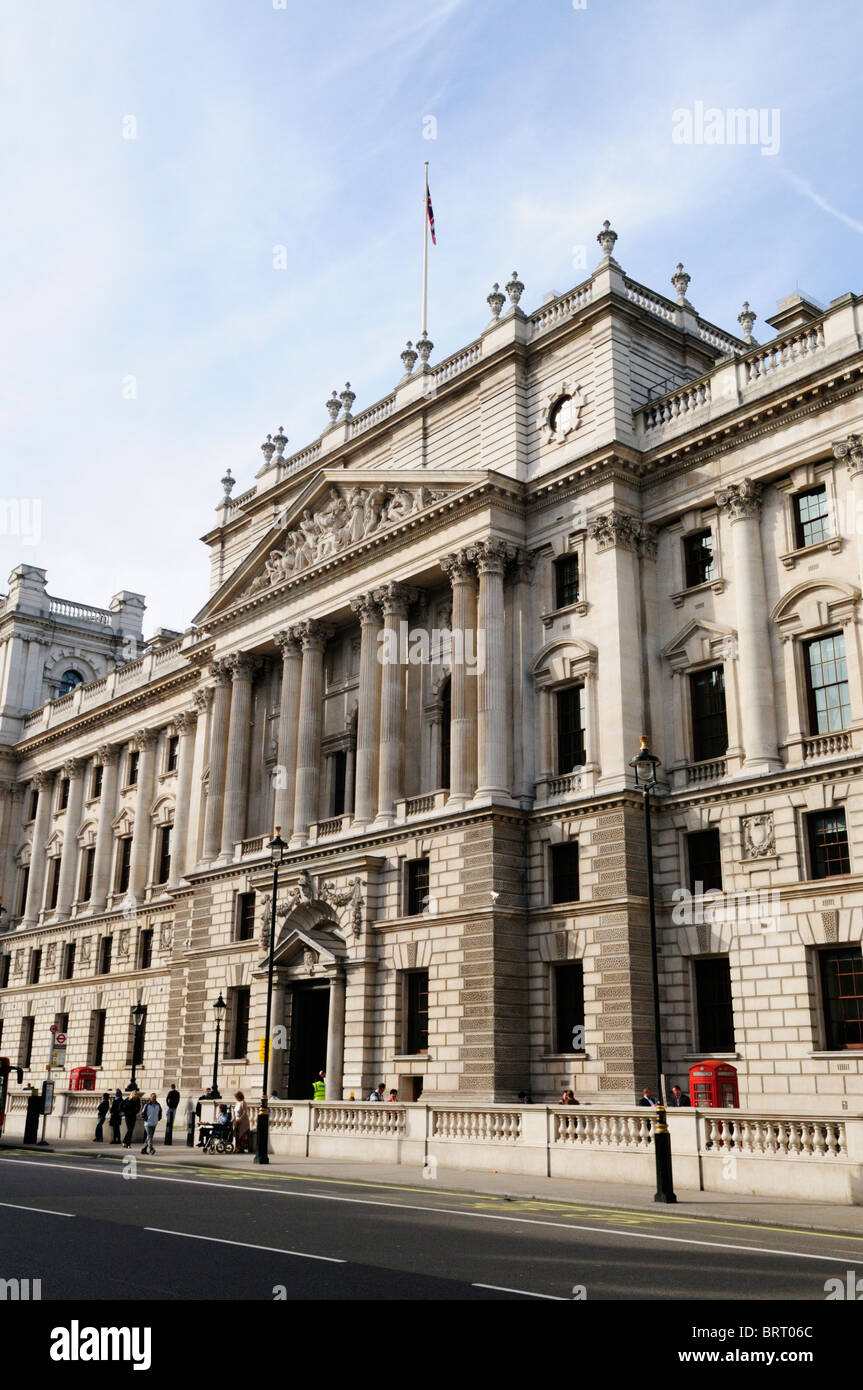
[
  {"x": 68, "y": 681},
  {"x": 446, "y": 719}
]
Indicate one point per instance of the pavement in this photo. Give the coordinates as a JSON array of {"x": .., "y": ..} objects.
[{"x": 721, "y": 1206}]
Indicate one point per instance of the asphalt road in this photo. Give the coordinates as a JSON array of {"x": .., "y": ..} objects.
[{"x": 88, "y": 1230}]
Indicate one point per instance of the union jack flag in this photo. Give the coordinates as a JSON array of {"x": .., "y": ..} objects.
[{"x": 430, "y": 212}]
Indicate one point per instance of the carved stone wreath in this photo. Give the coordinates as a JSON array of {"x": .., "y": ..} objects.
[
  {"x": 560, "y": 414},
  {"x": 759, "y": 836}
]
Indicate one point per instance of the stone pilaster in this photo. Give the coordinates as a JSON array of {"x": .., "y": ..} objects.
[
  {"x": 145, "y": 741},
  {"x": 242, "y": 667},
  {"x": 395, "y": 600},
  {"x": 74, "y": 770},
  {"x": 218, "y": 749},
  {"x": 491, "y": 557},
  {"x": 368, "y": 608},
  {"x": 313, "y": 636},
  {"x": 850, "y": 450},
  {"x": 289, "y": 703},
  {"x": 186, "y": 724},
  {"x": 109, "y": 757},
  {"x": 741, "y": 503},
  {"x": 336, "y": 1036},
  {"x": 463, "y": 700},
  {"x": 44, "y": 781}
]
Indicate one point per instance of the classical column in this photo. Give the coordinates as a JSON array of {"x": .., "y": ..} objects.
[
  {"x": 489, "y": 670},
  {"x": 851, "y": 450},
  {"x": 463, "y": 692},
  {"x": 11, "y": 803},
  {"x": 313, "y": 636},
  {"x": 44, "y": 781},
  {"x": 74, "y": 770},
  {"x": 109, "y": 756},
  {"x": 145, "y": 741},
  {"x": 289, "y": 705},
  {"x": 242, "y": 668},
  {"x": 741, "y": 503},
  {"x": 336, "y": 1036},
  {"x": 186, "y": 724},
  {"x": 369, "y": 709},
  {"x": 395, "y": 599},
  {"x": 218, "y": 748}
]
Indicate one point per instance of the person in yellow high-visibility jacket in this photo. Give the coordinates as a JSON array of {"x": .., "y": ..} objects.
[{"x": 319, "y": 1089}]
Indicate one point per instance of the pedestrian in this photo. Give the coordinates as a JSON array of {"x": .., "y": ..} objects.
[
  {"x": 678, "y": 1098},
  {"x": 152, "y": 1116},
  {"x": 647, "y": 1097},
  {"x": 378, "y": 1092},
  {"x": 205, "y": 1096},
  {"x": 241, "y": 1123},
  {"x": 525, "y": 1098},
  {"x": 131, "y": 1109},
  {"x": 172, "y": 1100},
  {"x": 101, "y": 1111},
  {"x": 319, "y": 1088},
  {"x": 568, "y": 1098},
  {"x": 393, "y": 1096},
  {"x": 115, "y": 1116}
]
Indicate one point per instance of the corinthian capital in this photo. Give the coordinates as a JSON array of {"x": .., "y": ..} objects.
[
  {"x": 220, "y": 672},
  {"x": 107, "y": 753},
  {"x": 493, "y": 555},
  {"x": 851, "y": 450},
  {"x": 288, "y": 643},
  {"x": 367, "y": 608},
  {"x": 145, "y": 738},
  {"x": 741, "y": 501},
  {"x": 185, "y": 721},
  {"x": 242, "y": 665},
  {"x": 73, "y": 767},
  {"x": 395, "y": 599},
  {"x": 313, "y": 634},
  {"x": 458, "y": 567}
]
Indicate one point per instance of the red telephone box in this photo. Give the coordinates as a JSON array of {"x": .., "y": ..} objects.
[
  {"x": 82, "y": 1079},
  {"x": 714, "y": 1085}
]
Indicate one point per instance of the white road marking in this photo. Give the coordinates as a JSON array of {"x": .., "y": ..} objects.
[
  {"x": 43, "y": 1210},
  {"x": 522, "y": 1293},
  {"x": 244, "y": 1245},
  {"x": 447, "y": 1211}
]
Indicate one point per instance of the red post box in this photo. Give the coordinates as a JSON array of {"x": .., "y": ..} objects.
[
  {"x": 82, "y": 1079},
  {"x": 714, "y": 1085}
]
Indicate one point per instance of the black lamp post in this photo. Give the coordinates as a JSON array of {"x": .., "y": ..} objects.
[
  {"x": 277, "y": 849},
  {"x": 219, "y": 1009},
  {"x": 139, "y": 1013},
  {"x": 645, "y": 764}
]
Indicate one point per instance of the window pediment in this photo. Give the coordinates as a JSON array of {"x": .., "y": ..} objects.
[
  {"x": 564, "y": 659},
  {"x": 818, "y": 603},
  {"x": 699, "y": 642}
]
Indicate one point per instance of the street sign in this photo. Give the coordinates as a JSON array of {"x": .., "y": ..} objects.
[
  {"x": 60, "y": 1040},
  {"x": 58, "y": 1057},
  {"x": 47, "y": 1097}
]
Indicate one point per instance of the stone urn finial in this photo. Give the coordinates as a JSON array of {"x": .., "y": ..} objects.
[
  {"x": 424, "y": 348},
  {"x": 268, "y": 448},
  {"x": 680, "y": 280},
  {"x": 280, "y": 440},
  {"x": 515, "y": 289},
  {"x": 746, "y": 318},
  {"x": 606, "y": 238},
  {"x": 228, "y": 483},
  {"x": 409, "y": 357},
  {"x": 334, "y": 405},
  {"x": 347, "y": 399},
  {"x": 496, "y": 301}
]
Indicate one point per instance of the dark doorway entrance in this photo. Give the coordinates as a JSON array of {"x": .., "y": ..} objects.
[{"x": 310, "y": 1007}]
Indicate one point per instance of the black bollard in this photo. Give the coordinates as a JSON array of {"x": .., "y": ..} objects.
[{"x": 190, "y": 1130}]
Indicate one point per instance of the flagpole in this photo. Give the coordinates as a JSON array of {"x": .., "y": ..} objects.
[{"x": 425, "y": 253}]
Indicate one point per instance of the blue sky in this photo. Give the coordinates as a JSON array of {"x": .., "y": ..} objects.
[{"x": 149, "y": 342}]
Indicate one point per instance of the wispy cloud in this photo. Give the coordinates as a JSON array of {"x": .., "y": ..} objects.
[{"x": 809, "y": 192}]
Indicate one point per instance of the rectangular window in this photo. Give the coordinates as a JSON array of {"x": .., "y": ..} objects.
[
  {"x": 145, "y": 949},
  {"x": 705, "y": 861},
  {"x": 5, "y": 967},
  {"x": 53, "y": 883},
  {"x": 827, "y": 684},
  {"x": 709, "y": 724},
  {"x": 240, "y": 999},
  {"x": 340, "y": 771},
  {"x": 568, "y": 982},
  {"x": 25, "y": 1051},
  {"x": 172, "y": 753},
  {"x": 811, "y": 521},
  {"x": 245, "y": 917},
  {"x": 35, "y": 966},
  {"x": 34, "y": 804},
  {"x": 132, "y": 767},
  {"x": 570, "y": 729},
  {"x": 97, "y": 1037},
  {"x": 566, "y": 580},
  {"x": 417, "y": 886},
  {"x": 713, "y": 1009},
  {"x": 163, "y": 854},
  {"x": 417, "y": 1012},
  {"x": 699, "y": 563},
  {"x": 124, "y": 861},
  {"x": 96, "y": 782},
  {"x": 61, "y": 1023},
  {"x": 105, "y": 948},
  {"x": 69, "y": 960},
  {"x": 63, "y": 798},
  {"x": 564, "y": 872},
  {"x": 88, "y": 859},
  {"x": 23, "y": 885},
  {"x": 828, "y": 844},
  {"x": 842, "y": 998}
]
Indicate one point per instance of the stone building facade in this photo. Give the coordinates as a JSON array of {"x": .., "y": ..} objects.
[{"x": 432, "y": 641}]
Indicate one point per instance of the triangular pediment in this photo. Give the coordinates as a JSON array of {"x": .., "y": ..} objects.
[
  {"x": 339, "y": 511},
  {"x": 699, "y": 641}
]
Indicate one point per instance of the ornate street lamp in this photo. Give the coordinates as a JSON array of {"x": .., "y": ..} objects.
[
  {"x": 277, "y": 847},
  {"x": 645, "y": 764},
  {"x": 219, "y": 1011},
  {"x": 139, "y": 1013}
]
